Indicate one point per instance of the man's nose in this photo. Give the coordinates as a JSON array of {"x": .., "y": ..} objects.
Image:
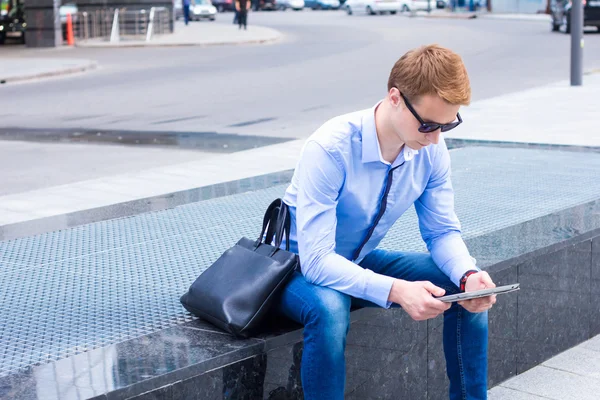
[{"x": 434, "y": 137}]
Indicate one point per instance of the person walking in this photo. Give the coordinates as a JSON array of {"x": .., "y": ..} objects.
[{"x": 186, "y": 10}]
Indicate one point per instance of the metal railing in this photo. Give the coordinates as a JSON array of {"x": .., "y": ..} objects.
[{"x": 116, "y": 24}]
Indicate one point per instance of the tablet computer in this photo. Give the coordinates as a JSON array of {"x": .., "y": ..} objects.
[{"x": 478, "y": 293}]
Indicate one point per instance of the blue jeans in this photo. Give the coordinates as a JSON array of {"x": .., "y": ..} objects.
[
  {"x": 325, "y": 315},
  {"x": 186, "y": 13}
]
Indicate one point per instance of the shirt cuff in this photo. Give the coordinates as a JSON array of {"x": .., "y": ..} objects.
[
  {"x": 459, "y": 265},
  {"x": 378, "y": 289}
]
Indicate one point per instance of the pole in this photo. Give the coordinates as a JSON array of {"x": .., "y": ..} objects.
[
  {"x": 576, "y": 43},
  {"x": 114, "y": 33},
  {"x": 150, "y": 25}
]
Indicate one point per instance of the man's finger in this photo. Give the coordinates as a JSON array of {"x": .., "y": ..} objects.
[
  {"x": 485, "y": 277},
  {"x": 438, "y": 305},
  {"x": 434, "y": 290}
]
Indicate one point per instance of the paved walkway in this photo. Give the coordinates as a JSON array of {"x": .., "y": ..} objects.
[
  {"x": 572, "y": 375},
  {"x": 199, "y": 33},
  {"x": 552, "y": 114}
]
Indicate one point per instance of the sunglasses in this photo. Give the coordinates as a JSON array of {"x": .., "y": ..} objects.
[{"x": 428, "y": 127}]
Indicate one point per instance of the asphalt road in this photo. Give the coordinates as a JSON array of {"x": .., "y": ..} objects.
[{"x": 328, "y": 64}]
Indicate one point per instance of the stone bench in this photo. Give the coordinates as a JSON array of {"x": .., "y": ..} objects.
[{"x": 93, "y": 311}]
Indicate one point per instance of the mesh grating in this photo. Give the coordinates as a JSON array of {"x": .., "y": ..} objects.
[{"x": 73, "y": 290}]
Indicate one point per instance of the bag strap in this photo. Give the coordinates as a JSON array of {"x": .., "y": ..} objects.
[
  {"x": 273, "y": 225},
  {"x": 276, "y": 223},
  {"x": 283, "y": 226}
]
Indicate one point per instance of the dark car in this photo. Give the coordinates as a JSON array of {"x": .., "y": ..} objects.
[
  {"x": 322, "y": 4},
  {"x": 224, "y": 5},
  {"x": 561, "y": 14},
  {"x": 268, "y": 5},
  {"x": 12, "y": 21}
]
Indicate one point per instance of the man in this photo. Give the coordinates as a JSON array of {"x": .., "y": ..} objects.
[
  {"x": 358, "y": 173},
  {"x": 242, "y": 7},
  {"x": 186, "y": 10}
]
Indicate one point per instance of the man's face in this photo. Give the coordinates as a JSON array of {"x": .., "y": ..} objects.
[{"x": 430, "y": 108}]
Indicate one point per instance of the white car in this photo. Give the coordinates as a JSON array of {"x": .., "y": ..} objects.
[
  {"x": 199, "y": 9},
  {"x": 423, "y": 5},
  {"x": 202, "y": 9},
  {"x": 295, "y": 5},
  {"x": 372, "y": 7}
]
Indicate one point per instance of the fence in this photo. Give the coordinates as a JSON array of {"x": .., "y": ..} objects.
[{"x": 117, "y": 24}]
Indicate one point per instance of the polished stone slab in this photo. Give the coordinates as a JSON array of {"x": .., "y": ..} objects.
[{"x": 134, "y": 261}]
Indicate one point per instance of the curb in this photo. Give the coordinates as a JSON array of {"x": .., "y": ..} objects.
[
  {"x": 129, "y": 45},
  {"x": 269, "y": 40},
  {"x": 451, "y": 16},
  {"x": 61, "y": 72},
  {"x": 592, "y": 71},
  {"x": 484, "y": 15}
]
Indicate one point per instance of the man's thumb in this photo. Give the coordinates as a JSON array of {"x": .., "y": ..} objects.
[{"x": 434, "y": 290}]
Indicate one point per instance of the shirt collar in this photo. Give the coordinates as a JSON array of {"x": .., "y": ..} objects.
[{"x": 371, "y": 151}]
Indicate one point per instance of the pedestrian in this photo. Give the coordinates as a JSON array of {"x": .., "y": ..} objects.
[
  {"x": 357, "y": 174},
  {"x": 242, "y": 7},
  {"x": 186, "y": 10}
]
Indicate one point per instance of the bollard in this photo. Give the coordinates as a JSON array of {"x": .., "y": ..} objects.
[{"x": 70, "y": 37}]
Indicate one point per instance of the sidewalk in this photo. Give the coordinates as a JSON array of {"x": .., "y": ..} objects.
[
  {"x": 198, "y": 33},
  {"x": 22, "y": 69},
  {"x": 553, "y": 114},
  {"x": 201, "y": 33},
  {"x": 572, "y": 375}
]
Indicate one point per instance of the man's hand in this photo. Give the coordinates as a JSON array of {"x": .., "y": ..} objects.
[
  {"x": 416, "y": 298},
  {"x": 478, "y": 281}
]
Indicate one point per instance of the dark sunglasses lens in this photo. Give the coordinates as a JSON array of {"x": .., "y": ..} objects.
[
  {"x": 447, "y": 127},
  {"x": 427, "y": 128}
]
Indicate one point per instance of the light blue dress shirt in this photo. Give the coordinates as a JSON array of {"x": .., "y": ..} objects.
[{"x": 336, "y": 193}]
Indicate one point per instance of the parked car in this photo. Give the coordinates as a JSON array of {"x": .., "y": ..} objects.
[
  {"x": 202, "y": 9},
  {"x": 423, "y": 5},
  {"x": 64, "y": 10},
  {"x": 266, "y": 5},
  {"x": 12, "y": 21},
  {"x": 295, "y": 5},
  {"x": 322, "y": 4},
  {"x": 373, "y": 7},
  {"x": 68, "y": 8},
  {"x": 224, "y": 5},
  {"x": 561, "y": 14}
]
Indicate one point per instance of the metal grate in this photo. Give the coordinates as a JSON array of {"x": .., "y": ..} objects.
[{"x": 65, "y": 292}]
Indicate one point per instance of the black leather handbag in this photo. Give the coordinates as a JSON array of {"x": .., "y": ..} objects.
[{"x": 237, "y": 291}]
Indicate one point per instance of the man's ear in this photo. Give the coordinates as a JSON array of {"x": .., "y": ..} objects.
[{"x": 394, "y": 97}]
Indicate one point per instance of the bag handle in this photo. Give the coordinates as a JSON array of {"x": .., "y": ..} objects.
[
  {"x": 266, "y": 219},
  {"x": 277, "y": 219},
  {"x": 283, "y": 226}
]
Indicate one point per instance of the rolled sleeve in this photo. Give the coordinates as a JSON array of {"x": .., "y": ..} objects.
[{"x": 438, "y": 223}]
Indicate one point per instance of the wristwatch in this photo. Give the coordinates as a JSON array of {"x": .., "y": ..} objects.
[{"x": 463, "y": 280}]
